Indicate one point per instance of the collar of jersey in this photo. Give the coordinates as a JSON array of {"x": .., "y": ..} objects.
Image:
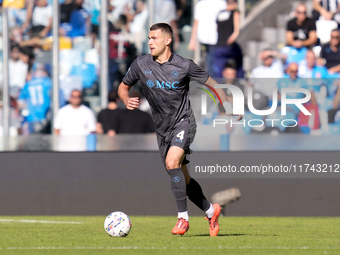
[{"x": 169, "y": 60}]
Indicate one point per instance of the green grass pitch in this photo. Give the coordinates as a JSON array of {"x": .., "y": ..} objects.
[{"x": 152, "y": 235}]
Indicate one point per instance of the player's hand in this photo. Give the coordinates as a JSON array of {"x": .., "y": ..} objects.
[{"x": 132, "y": 103}]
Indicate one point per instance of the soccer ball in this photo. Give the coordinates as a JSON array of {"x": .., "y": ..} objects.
[{"x": 117, "y": 224}]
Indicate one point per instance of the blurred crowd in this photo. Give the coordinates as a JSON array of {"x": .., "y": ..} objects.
[{"x": 310, "y": 59}]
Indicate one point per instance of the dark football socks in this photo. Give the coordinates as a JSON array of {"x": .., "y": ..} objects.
[
  {"x": 195, "y": 194},
  {"x": 178, "y": 187}
]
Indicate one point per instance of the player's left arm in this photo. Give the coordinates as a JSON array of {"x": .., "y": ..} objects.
[{"x": 224, "y": 98}]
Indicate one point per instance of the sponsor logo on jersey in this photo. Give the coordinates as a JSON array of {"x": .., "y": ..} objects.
[
  {"x": 162, "y": 84},
  {"x": 147, "y": 72}
]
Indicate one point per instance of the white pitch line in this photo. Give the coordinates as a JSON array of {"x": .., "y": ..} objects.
[{"x": 40, "y": 221}]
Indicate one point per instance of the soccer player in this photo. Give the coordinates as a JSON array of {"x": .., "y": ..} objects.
[{"x": 165, "y": 78}]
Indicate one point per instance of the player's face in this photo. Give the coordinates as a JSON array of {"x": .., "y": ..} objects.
[{"x": 158, "y": 42}]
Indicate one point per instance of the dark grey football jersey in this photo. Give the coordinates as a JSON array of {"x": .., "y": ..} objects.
[{"x": 166, "y": 87}]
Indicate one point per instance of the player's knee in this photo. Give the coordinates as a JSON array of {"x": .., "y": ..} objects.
[{"x": 172, "y": 164}]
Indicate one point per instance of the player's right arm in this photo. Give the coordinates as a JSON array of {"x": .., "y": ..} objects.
[
  {"x": 131, "y": 103},
  {"x": 130, "y": 78}
]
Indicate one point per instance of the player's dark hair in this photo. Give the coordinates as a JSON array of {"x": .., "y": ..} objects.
[{"x": 164, "y": 27}]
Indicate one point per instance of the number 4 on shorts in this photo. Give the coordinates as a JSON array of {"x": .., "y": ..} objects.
[{"x": 180, "y": 135}]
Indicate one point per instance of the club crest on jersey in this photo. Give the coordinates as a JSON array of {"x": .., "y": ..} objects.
[
  {"x": 150, "y": 83},
  {"x": 176, "y": 179},
  {"x": 174, "y": 74}
]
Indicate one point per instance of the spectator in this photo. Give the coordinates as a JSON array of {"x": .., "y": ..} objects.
[
  {"x": 16, "y": 35},
  {"x": 131, "y": 122},
  {"x": 66, "y": 9},
  {"x": 94, "y": 11},
  {"x": 165, "y": 11},
  {"x": 229, "y": 74},
  {"x": 270, "y": 68},
  {"x": 118, "y": 9},
  {"x": 330, "y": 52},
  {"x": 75, "y": 119},
  {"x": 136, "y": 25},
  {"x": 35, "y": 100},
  {"x": 27, "y": 56},
  {"x": 17, "y": 14},
  {"x": 17, "y": 70},
  {"x": 308, "y": 68},
  {"x": 134, "y": 122},
  {"x": 77, "y": 19},
  {"x": 106, "y": 118},
  {"x": 291, "y": 80},
  {"x": 228, "y": 29},
  {"x": 15, "y": 118},
  {"x": 334, "y": 113},
  {"x": 39, "y": 15},
  {"x": 204, "y": 28},
  {"x": 317, "y": 76},
  {"x": 121, "y": 51},
  {"x": 301, "y": 31},
  {"x": 328, "y": 10}
]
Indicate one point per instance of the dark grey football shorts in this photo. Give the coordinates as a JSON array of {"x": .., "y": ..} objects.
[{"x": 182, "y": 136}]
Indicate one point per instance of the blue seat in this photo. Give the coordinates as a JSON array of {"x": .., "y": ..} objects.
[
  {"x": 72, "y": 56},
  {"x": 69, "y": 83},
  {"x": 78, "y": 23},
  {"x": 87, "y": 72}
]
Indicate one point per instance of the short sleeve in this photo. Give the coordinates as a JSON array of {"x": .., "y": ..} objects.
[
  {"x": 312, "y": 25},
  {"x": 197, "y": 11},
  {"x": 196, "y": 73},
  {"x": 91, "y": 121},
  {"x": 131, "y": 77},
  {"x": 57, "y": 123},
  {"x": 290, "y": 26},
  {"x": 100, "y": 116},
  {"x": 322, "y": 52}
]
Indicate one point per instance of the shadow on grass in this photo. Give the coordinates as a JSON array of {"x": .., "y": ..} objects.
[
  {"x": 221, "y": 235},
  {"x": 231, "y": 235}
]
